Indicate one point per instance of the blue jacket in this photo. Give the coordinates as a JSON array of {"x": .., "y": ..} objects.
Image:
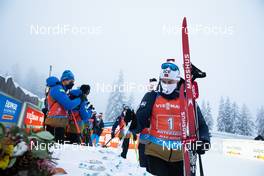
[
  {"x": 85, "y": 113},
  {"x": 58, "y": 93}
]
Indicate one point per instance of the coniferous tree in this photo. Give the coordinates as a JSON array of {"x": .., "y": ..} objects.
[
  {"x": 207, "y": 114},
  {"x": 116, "y": 100},
  {"x": 260, "y": 121},
  {"x": 221, "y": 116},
  {"x": 209, "y": 118},
  {"x": 244, "y": 123},
  {"x": 228, "y": 123},
  {"x": 235, "y": 115}
]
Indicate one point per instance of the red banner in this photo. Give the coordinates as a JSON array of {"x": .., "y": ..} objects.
[{"x": 33, "y": 118}]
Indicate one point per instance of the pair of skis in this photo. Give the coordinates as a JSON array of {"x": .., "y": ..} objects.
[{"x": 188, "y": 95}]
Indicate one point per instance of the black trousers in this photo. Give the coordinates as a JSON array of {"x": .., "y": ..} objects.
[
  {"x": 142, "y": 156},
  {"x": 57, "y": 132},
  {"x": 160, "y": 167},
  {"x": 125, "y": 147},
  {"x": 74, "y": 138}
]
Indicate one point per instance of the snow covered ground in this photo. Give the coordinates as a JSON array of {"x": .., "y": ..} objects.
[
  {"x": 91, "y": 161},
  {"x": 216, "y": 164}
]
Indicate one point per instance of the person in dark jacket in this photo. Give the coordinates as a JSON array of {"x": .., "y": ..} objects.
[
  {"x": 80, "y": 113},
  {"x": 159, "y": 112},
  {"x": 141, "y": 146},
  {"x": 88, "y": 126},
  {"x": 59, "y": 104},
  {"x": 122, "y": 121},
  {"x": 98, "y": 126}
]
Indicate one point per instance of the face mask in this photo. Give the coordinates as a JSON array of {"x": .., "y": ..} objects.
[
  {"x": 69, "y": 86},
  {"x": 168, "y": 88}
]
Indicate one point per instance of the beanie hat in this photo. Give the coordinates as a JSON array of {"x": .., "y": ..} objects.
[{"x": 67, "y": 75}]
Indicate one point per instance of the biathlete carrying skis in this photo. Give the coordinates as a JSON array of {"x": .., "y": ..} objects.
[{"x": 159, "y": 123}]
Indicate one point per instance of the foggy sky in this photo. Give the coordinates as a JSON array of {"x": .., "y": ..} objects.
[{"x": 134, "y": 36}]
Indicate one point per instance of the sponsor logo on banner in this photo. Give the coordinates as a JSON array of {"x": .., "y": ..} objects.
[
  {"x": 9, "y": 110},
  {"x": 248, "y": 149},
  {"x": 33, "y": 118}
]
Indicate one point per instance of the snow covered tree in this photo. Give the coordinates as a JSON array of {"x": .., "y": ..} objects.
[
  {"x": 221, "y": 114},
  {"x": 207, "y": 113},
  {"x": 203, "y": 108},
  {"x": 130, "y": 101},
  {"x": 235, "y": 114},
  {"x": 209, "y": 118},
  {"x": 224, "y": 120},
  {"x": 244, "y": 124},
  {"x": 229, "y": 124},
  {"x": 260, "y": 121},
  {"x": 116, "y": 100}
]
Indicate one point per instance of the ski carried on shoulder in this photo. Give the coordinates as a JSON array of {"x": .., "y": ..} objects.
[{"x": 188, "y": 116}]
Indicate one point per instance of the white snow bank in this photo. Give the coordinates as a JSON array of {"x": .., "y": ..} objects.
[
  {"x": 91, "y": 161},
  {"x": 216, "y": 164},
  {"x": 88, "y": 161}
]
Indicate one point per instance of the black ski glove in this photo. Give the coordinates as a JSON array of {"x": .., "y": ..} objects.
[
  {"x": 91, "y": 107},
  {"x": 201, "y": 146}
]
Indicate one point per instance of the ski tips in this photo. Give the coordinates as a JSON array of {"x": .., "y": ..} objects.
[
  {"x": 184, "y": 27},
  {"x": 184, "y": 22}
]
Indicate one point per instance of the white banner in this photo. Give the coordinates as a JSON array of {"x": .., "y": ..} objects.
[{"x": 248, "y": 149}]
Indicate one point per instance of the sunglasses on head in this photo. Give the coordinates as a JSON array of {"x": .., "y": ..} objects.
[{"x": 172, "y": 66}]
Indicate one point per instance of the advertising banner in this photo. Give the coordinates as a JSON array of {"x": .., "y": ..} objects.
[
  {"x": 248, "y": 149},
  {"x": 9, "y": 110},
  {"x": 34, "y": 118}
]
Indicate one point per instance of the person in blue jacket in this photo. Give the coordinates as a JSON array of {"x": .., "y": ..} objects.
[
  {"x": 98, "y": 125},
  {"x": 59, "y": 104},
  {"x": 80, "y": 113}
]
